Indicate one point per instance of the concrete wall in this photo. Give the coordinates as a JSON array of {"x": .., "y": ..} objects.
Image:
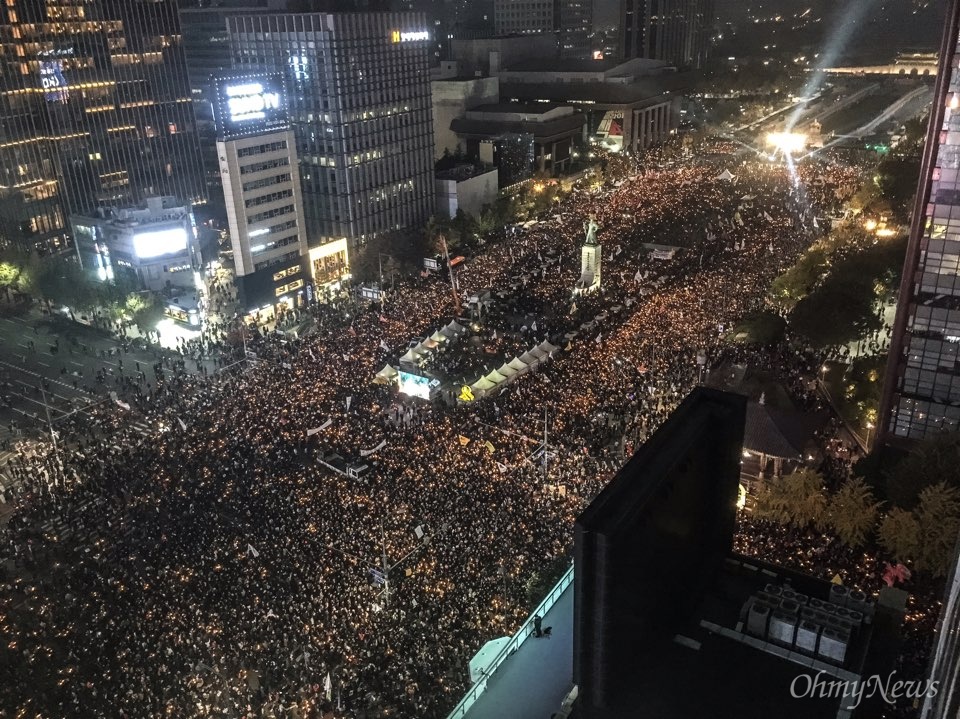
[
  {"x": 452, "y": 99},
  {"x": 467, "y": 195}
]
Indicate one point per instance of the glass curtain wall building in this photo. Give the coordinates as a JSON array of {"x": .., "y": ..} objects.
[
  {"x": 922, "y": 389},
  {"x": 675, "y": 31},
  {"x": 360, "y": 107},
  {"x": 95, "y": 110}
]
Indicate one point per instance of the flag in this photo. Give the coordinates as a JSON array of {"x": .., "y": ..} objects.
[
  {"x": 533, "y": 327},
  {"x": 384, "y": 346},
  {"x": 573, "y": 308},
  {"x": 310, "y": 352},
  {"x": 346, "y": 358},
  {"x": 251, "y": 552},
  {"x": 489, "y": 446},
  {"x": 183, "y": 425},
  {"x": 383, "y": 319},
  {"x": 599, "y": 338},
  {"x": 815, "y": 223},
  {"x": 494, "y": 335},
  {"x": 636, "y": 277},
  {"x": 352, "y": 331},
  {"x": 567, "y": 348},
  {"x": 349, "y": 400},
  {"x": 116, "y": 401},
  {"x": 328, "y": 687},
  {"x": 464, "y": 441}
]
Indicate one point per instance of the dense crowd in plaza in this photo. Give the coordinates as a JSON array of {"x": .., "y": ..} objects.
[{"x": 220, "y": 568}]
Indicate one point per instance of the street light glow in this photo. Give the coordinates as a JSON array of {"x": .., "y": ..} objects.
[{"x": 787, "y": 142}]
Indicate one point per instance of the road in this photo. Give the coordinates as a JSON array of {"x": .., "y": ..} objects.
[{"x": 32, "y": 365}]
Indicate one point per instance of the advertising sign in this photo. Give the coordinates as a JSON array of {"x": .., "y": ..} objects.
[{"x": 249, "y": 105}]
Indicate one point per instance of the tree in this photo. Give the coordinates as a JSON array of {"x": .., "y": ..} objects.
[
  {"x": 760, "y": 328},
  {"x": 934, "y": 461},
  {"x": 899, "y": 534},
  {"x": 794, "y": 284},
  {"x": 927, "y": 536},
  {"x": 796, "y": 499},
  {"x": 836, "y": 314},
  {"x": 852, "y": 512}
]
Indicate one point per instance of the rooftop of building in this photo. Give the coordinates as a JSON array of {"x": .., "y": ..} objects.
[
  {"x": 638, "y": 90},
  {"x": 516, "y": 108},
  {"x": 450, "y": 169},
  {"x": 698, "y": 670}
]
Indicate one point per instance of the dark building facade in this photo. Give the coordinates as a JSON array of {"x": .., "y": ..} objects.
[
  {"x": 360, "y": 107},
  {"x": 676, "y": 31},
  {"x": 922, "y": 387},
  {"x": 95, "y": 110},
  {"x": 668, "y": 514}
]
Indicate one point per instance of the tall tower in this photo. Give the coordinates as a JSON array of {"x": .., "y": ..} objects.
[
  {"x": 675, "y": 31},
  {"x": 95, "y": 110},
  {"x": 922, "y": 388},
  {"x": 361, "y": 111}
]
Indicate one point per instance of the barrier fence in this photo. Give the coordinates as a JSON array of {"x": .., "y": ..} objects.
[{"x": 526, "y": 629}]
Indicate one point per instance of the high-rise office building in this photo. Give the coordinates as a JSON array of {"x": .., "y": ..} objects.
[
  {"x": 570, "y": 20},
  {"x": 512, "y": 17},
  {"x": 676, "y": 31},
  {"x": 922, "y": 388},
  {"x": 95, "y": 110},
  {"x": 358, "y": 88},
  {"x": 575, "y": 25}
]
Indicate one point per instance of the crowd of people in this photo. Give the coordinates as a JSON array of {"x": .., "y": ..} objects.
[{"x": 224, "y": 568}]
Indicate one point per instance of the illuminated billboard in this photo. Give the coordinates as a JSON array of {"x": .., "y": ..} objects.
[
  {"x": 250, "y": 105},
  {"x": 53, "y": 82},
  {"x": 412, "y": 36},
  {"x": 171, "y": 241},
  {"x": 413, "y": 385}
]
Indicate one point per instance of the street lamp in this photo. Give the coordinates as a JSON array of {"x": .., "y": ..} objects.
[{"x": 870, "y": 427}]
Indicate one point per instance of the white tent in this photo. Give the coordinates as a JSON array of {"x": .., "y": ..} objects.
[
  {"x": 726, "y": 176},
  {"x": 385, "y": 376},
  {"x": 428, "y": 344},
  {"x": 496, "y": 378},
  {"x": 482, "y": 386},
  {"x": 518, "y": 364},
  {"x": 547, "y": 348},
  {"x": 538, "y": 353},
  {"x": 529, "y": 359},
  {"x": 456, "y": 328},
  {"x": 409, "y": 357},
  {"x": 507, "y": 371},
  {"x": 438, "y": 337}
]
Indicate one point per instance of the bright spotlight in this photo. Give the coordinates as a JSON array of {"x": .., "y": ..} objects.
[{"x": 787, "y": 142}]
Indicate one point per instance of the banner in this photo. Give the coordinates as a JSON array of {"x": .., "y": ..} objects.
[{"x": 368, "y": 452}]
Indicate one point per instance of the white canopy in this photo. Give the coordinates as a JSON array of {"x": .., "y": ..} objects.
[
  {"x": 410, "y": 357},
  {"x": 386, "y": 375},
  {"x": 529, "y": 359},
  {"x": 438, "y": 337},
  {"x": 538, "y": 353},
  {"x": 518, "y": 364},
  {"x": 726, "y": 176},
  {"x": 482, "y": 386},
  {"x": 428, "y": 344},
  {"x": 547, "y": 348},
  {"x": 495, "y": 377},
  {"x": 507, "y": 371},
  {"x": 456, "y": 328}
]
